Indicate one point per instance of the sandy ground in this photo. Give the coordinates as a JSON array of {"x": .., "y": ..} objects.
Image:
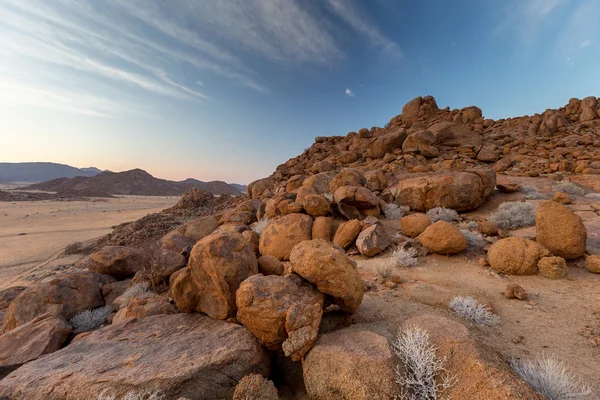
[{"x": 33, "y": 234}]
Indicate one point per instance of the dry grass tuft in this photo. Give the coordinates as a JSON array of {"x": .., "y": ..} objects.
[
  {"x": 442, "y": 214},
  {"x": 513, "y": 215},
  {"x": 469, "y": 308}
]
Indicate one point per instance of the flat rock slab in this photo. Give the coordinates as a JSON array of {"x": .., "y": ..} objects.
[{"x": 180, "y": 355}]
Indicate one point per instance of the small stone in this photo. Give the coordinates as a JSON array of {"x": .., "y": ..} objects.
[
  {"x": 592, "y": 263},
  {"x": 514, "y": 291},
  {"x": 561, "y": 198}
]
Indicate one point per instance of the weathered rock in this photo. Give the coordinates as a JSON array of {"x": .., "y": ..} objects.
[
  {"x": 443, "y": 238},
  {"x": 119, "y": 262},
  {"x": 359, "y": 197},
  {"x": 481, "y": 374},
  {"x": 144, "y": 305},
  {"x": 320, "y": 182},
  {"x": 487, "y": 228},
  {"x": 198, "y": 228},
  {"x": 255, "y": 386},
  {"x": 460, "y": 191},
  {"x": 455, "y": 135},
  {"x": 44, "y": 334},
  {"x": 514, "y": 291},
  {"x": 561, "y": 198},
  {"x": 330, "y": 269},
  {"x": 553, "y": 267},
  {"x": 414, "y": 224},
  {"x": 373, "y": 240},
  {"x": 217, "y": 266},
  {"x": 111, "y": 291},
  {"x": 421, "y": 142},
  {"x": 252, "y": 238},
  {"x": 316, "y": 205},
  {"x": 387, "y": 143},
  {"x": 8, "y": 295},
  {"x": 258, "y": 188},
  {"x": 64, "y": 295},
  {"x": 269, "y": 265},
  {"x": 410, "y": 111},
  {"x": 592, "y": 263},
  {"x": 281, "y": 311},
  {"x": 280, "y": 236},
  {"x": 347, "y": 232},
  {"x": 347, "y": 177},
  {"x": 560, "y": 230},
  {"x": 322, "y": 228},
  {"x": 516, "y": 256},
  {"x": 206, "y": 360},
  {"x": 350, "y": 364}
]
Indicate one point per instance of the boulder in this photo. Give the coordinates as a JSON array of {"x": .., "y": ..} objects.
[
  {"x": 322, "y": 228},
  {"x": 218, "y": 264},
  {"x": 350, "y": 363},
  {"x": 144, "y": 305},
  {"x": 347, "y": 177},
  {"x": 111, "y": 291},
  {"x": 255, "y": 386},
  {"x": 514, "y": 291},
  {"x": 358, "y": 197},
  {"x": 44, "y": 334},
  {"x": 516, "y": 256},
  {"x": 180, "y": 355},
  {"x": 316, "y": 205},
  {"x": 331, "y": 270},
  {"x": 373, "y": 240},
  {"x": 560, "y": 230},
  {"x": 260, "y": 187},
  {"x": 443, "y": 238},
  {"x": 119, "y": 262},
  {"x": 281, "y": 235},
  {"x": 320, "y": 182},
  {"x": 410, "y": 111},
  {"x": 269, "y": 265},
  {"x": 414, "y": 224},
  {"x": 387, "y": 143},
  {"x": 8, "y": 295},
  {"x": 281, "y": 311},
  {"x": 198, "y": 228},
  {"x": 253, "y": 238},
  {"x": 553, "y": 267},
  {"x": 455, "y": 135},
  {"x": 64, "y": 294},
  {"x": 460, "y": 191},
  {"x": 480, "y": 372},
  {"x": 592, "y": 263},
  {"x": 421, "y": 142},
  {"x": 347, "y": 232}
]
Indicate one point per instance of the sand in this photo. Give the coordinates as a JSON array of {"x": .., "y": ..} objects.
[{"x": 34, "y": 234}]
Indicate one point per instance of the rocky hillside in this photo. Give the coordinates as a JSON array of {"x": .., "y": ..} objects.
[
  {"x": 41, "y": 171},
  {"x": 425, "y": 138},
  {"x": 133, "y": 182}
]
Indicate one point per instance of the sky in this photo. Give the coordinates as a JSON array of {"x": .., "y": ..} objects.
[{"x": 228, "y": 90}]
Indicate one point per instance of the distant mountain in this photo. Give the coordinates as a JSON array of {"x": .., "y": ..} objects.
[
  {"x": 41, "y": 171},
  {"x": 134, "y": 182},
  {"x": 241, "y": 188}
]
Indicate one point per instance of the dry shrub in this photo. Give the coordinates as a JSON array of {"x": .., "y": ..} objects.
[
  {"x": 469, "y": 308},
  {"x": 513, "y": 215}
]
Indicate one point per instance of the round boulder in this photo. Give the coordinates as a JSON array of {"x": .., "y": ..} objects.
[
  {"x": 415, "y": 224},
  {"x": 347, "y": 233},
  {"x": 516, "y": 256},
  {"x": 443, "y": 238},
  {"x": 553, "y": 267},
  {"x": 119, "y": 262},
  {"x": 280, "y": 236},
  {"x": 560, "y": 230},
  {"x": 316, "y": 205}
]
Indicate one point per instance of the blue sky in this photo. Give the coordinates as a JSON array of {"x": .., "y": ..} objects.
[{"x": 230, "y": 89}]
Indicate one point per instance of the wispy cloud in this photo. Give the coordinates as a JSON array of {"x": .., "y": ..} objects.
[
  {"x": 585, "y": 43},
  {"x": 526, "y": 18},
  {"x": 580, "y": 25},
  {"x": 358, "y": 21},
  {"x": 349, "y": 92}
]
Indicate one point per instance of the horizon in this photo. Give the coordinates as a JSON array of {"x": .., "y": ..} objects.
[{"x": 227, "y": 91}]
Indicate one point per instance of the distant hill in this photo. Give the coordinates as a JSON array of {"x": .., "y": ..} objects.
[
  {"x": 134, "y": 182},
  {"x": 41, "y": 171}
]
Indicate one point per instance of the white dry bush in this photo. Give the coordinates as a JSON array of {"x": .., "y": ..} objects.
[
  {"x": 384, "y": 269},
  {"x": 394, "y": 211},
  {"x": 89, "y": 320},
  {"x": 471, "y": 309},
  {"x": 328, "y": 196},
  {"x": 468, "y": 225},
  {"x": 532, "y": 193},
  {"x": 593, "y": 196},
  {"x": 132, "y": 395},
  {"x": 442, "y": 214},
  {"x": 475, "y": 240},
  {"x": 422, "y": 375},
  {"x": 405, "y": 257},
  {"x": 260, "y": 226},
  {"x": 513, "y": 215},
  {"x": 551, "y": 378},
  {"x": 569, "y": 188},
  {"x": 133, "y": 291}
]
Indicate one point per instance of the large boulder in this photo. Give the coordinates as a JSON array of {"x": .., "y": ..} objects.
[
  {"x": 410, "y": 111},
  {"x": 560, "y": 230},
  {"x": 480, "y": 373},
  {"x": 320, "y": 182},
  {"x": 443, "y": 238},
  {"x": 192, "y": 232},
  {"x": 9, "y": 294},
  {"x": 218, "y": 264},
  {"x": 119, "y": 262},
  {"x": 144, "y": 305},
  {"x": 281, "y": 311},
  {"x": 280, "y": 236},
  {"x": 260, "y": 187},
  {"x": 347, "y": 177},
  {"x": 269, "y": 265},
  {"x": 387, "y": 143},
  {"x": 373, "y": 240},
  {"x": 322, "y": 228},
  {"x": 64, "y": 295},
  {"x": 358, "y": 197},
  {"x": 331, "y": 270},
  {"x": 316, "y": 205},
  {"x": 44, "y": 334},
  {"x": 181, "y": 356},
  {"x": 516, "y": 256},
  {"x": 350, "y": 364},
  {"x": 347, "y": 232},
  {"x": 461, "y": 191},
  {"x": 421, "y": 142},
  {"x": 414, "y": 224},
  {"x": 455, "y": 135}
]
